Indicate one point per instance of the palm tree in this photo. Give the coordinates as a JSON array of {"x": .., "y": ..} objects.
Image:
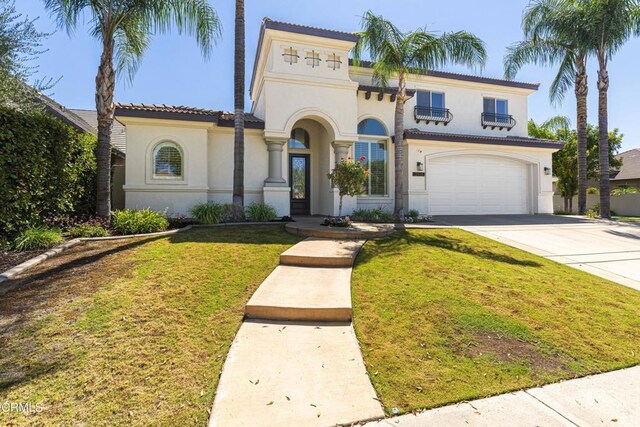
[
  {"x": 397, "y": 54},
  {"x": 238, "y": 119},
  {"x": 555, "y": 34},
  {"x": 124, "y": 28},
  {"x": 612, "y": 24}
]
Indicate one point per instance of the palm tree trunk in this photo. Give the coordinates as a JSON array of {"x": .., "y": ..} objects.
[
  {"x": 238, "y": 119},
  {"x": 105, "y": 87},
  {"x": 603, "y": 137},
  {"x": 398, "y": 210},
  {"x": 581, "y": 90}
]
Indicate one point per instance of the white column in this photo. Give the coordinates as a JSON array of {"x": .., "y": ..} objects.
[
  {"x": 275, "y": 179},
  {"x": 341, "y": 150}
]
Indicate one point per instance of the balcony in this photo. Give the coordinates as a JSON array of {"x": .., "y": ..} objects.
[
  {"x": 430, "y": 114},
  {"x": 500, "y": 121}
]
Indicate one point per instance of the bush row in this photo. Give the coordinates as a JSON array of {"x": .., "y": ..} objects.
[
  {"x": 46, "y": 168},
  {"x": 216, "y": 213}
]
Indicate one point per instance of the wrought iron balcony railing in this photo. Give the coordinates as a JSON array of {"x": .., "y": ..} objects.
[
  {"x": 501, "y": 121},
  {"x": 430, "y": 114}
]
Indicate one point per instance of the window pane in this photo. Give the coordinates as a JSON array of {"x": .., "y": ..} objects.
[
  {"x": 490, "y": 105},
  {"x": 377, "y": 169},
  {"x": 501, "y": 107},
  {"x": 168, "y": 162},
  {"x": 424, "y": 99},
  {"x": 371, "y": 127},
  {"x": 299, "y": 139},
  {"x": 437, "y": 100},
  {"x": 362, "y": 149}
]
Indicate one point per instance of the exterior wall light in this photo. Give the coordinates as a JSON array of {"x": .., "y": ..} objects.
[
  {"x": 547, "y": 170},
  {"x": 419, "y": 166}
]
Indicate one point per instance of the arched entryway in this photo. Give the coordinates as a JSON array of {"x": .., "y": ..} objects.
[{"x": 309, "y": 154}]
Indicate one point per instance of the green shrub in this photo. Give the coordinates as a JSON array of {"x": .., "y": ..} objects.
[
  {"x": 87, "y": 229},
  {"x": 624, "y": 190},
  {"x": 372, "y": 215},
  {"x": 138, "y": 221},
  {"x": 593, "y": 190},
  {"x": 261, "y": 212},
  {"x": 413, "y": 213},
  {"x": 209, "y": 213},
  {"x": 46, "y": 168},
  {"x": 591, "y": 213},
  {"x": 35, "y": 238}
]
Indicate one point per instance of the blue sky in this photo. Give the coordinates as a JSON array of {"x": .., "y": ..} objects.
[{"x": 173, "y": 71}]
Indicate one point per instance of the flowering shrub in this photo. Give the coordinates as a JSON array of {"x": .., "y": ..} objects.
[
  {"x": 337, "y": 221},
  {"x": 349, "y": 177}
]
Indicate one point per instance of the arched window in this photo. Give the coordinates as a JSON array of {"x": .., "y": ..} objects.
[
  {"x": 299, "y": 139},
  {"x": 375, "y": 152},
  {"x": 167, "y": 161},
  {"x": 371, "y": 127}
]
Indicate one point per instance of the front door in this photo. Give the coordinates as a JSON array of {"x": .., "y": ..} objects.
[{"x": 299, "y": 180}]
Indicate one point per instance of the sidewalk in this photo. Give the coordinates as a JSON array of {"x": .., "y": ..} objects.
[
  {"x": 610, "y": 399},
  {"x": 296, "y": 360}
]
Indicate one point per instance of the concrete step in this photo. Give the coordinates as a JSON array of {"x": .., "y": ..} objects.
[
  {"x": 304, "y": 294},
  {"x": 294, "y": 374},
  {"x": 314, "y": 252}
]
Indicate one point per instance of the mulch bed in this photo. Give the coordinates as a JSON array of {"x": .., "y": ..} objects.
[{"x": 9, "y": 259}]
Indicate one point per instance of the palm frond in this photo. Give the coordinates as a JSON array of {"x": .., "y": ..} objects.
[
  {"x": 381, "y": 39},
  {"x": 564, "y": 80},
  {"x": 428, "y": 51},
  {"x": 537, "y": 51},
  {"x": 66, "y": 12},
  {"x": 556, "y": 123}
]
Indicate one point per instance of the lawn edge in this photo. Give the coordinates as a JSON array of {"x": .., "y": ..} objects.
[{"x": 30, "y": 263}]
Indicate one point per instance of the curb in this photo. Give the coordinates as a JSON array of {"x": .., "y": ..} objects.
[{"x": 21, "y": 268}]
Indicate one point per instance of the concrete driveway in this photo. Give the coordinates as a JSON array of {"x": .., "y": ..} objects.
[{"x": 604, "y": 248}]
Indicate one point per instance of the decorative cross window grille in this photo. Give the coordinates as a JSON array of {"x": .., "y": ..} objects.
[
  {"x": 313, "y": 59},
  {"x": 290, "y": 56},
  {"x": 333, "y": 61}
]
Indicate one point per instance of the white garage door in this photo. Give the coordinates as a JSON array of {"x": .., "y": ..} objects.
[{"x": 477, "y": 185}]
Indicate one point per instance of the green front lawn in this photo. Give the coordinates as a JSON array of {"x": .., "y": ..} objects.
[
  {"x": 131, "y": 332},
  {"x": 630, "y": 219},
  {"x": 444, "y": 316}
]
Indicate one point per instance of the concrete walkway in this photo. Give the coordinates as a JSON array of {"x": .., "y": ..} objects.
[
  {"x": 607, "y": 249},
  {"x": 296, "y": 359},
  {"x": 611, "y": 399}
]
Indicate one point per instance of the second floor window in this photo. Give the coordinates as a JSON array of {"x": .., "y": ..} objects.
[
  {"x": 431, "y": 103},
  {"x": 496, "y": 110},
  {"x": 290, "y": 56},
  {"x": 313, "y": 58}
]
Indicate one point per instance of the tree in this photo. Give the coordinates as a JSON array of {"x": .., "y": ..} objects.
[
  {"x": 124, "y": 29},
  {"x": 397, "y": 54},
  {"x": 612, "y": 23},
  {"x": 565, "y": 161},
  {"x": 350, "y": 178},
  {"x": 556, "y": 35},
  {"x": 20, "y": 45},
  {"x": 238, "y": 118}
]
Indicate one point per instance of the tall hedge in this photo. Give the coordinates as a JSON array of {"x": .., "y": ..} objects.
[{"x": 46, "y": 168}]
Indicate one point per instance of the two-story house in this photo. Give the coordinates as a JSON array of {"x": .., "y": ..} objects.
[{"x": 466, "y": 144}]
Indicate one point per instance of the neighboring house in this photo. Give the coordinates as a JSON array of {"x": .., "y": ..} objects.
[
  {"x": 466, "y": 145},
  {"x": 629, "y": 173},
  {"x": 86, "y": 121}
]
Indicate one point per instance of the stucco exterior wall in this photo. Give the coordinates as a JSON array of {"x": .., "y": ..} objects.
[
  {"x": 463, "y": 99},
  {"x": 220, "y": 165}
]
